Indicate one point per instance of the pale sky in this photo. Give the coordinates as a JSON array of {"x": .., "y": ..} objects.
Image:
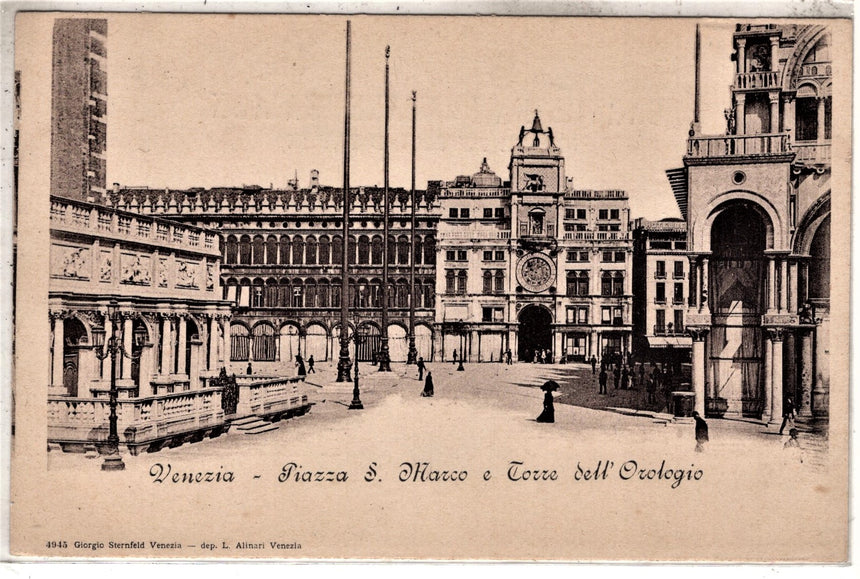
[{"x": 203, "y": 101}]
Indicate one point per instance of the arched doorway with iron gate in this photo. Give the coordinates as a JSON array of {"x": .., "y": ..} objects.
[{"x": 535, "y": 332}]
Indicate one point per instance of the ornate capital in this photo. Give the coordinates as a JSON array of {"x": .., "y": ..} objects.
[
  {"x": 776, "y": 334},
  {"x": 698, "y": 334},
  {"x": 58, "y": 314}
]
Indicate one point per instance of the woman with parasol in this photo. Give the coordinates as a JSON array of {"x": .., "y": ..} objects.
[{"x": 548, "y": 414}]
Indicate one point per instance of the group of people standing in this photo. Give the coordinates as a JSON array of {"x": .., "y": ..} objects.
[{"x": 633, "y": 376}]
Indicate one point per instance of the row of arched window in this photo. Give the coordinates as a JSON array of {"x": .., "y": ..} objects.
[
  {"x": 325, "y": 293},
  {"x": 611, "y": 283},
  {"x": 323, "y": 250}
]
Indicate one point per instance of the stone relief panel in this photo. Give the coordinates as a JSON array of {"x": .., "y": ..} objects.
[
  {"x": 162, "y": 272},
  {"x": 186, "y": 274},
  {"x": 136, "y": 269},
  {"x": 70, "y": 262},
  {"x": 106, "y": 266}
]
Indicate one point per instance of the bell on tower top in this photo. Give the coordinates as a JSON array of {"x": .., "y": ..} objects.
[{"x": 536, "y": 126}]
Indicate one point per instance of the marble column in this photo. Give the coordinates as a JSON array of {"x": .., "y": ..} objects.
[
  {"x": 212, "y": 359},
  {"x": 783, "y": 285},
  {"x": 820, "y": 119},
  {"x": 167, "y": 345},
  {"x": 793, "y": 287},
  {"x": 699, "y": 368},
  {"x": 774, "y": 53},
  {"x": 774, "y": 112},
  {"x": 767, "y": 378},
  {"x": 59, "y": 342},
  {"x": 182, "y": 340},
  {"x": 740, "y": 114},
  {"x": 788, "y": 115},
  {"x": 771, "y": 284},
  {"x": 147, "y": 369},
  {"x": 127, "y": 334},
  {"x": 742, "y": 56},
  {"x": 804, "y": 405},
  {"x": 776, "y": 392}
]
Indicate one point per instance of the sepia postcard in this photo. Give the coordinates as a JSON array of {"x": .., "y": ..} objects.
[{"x": 324, "y": 287}]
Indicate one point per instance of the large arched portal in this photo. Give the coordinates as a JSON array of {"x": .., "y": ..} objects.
[
  {"x": 736, "y": 300},
  {"x": 535, "y": 332}
]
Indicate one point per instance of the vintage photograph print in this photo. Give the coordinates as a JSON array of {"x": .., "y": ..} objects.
[{"x": 431, "y": 288}]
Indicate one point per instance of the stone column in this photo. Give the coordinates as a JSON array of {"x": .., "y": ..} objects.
[
  {"x": 147, "y": 369},
  {"x": 212, "y": 360},
  {"x": 742, "y": 56},
  {"x": 783, "y": 285},
  {"x": 821, "y": 381},
  {"x": 127, "y": 334},
  {"x": 820, "y": 119},
  {"x": 59, "y": 343},
  {"x": 740, "y": 114},
  {"x": 194, "y": 371},
  {"x": 557, "y": 346},
  {"x": 774, "y": 112},
  {"x": 804, "y": 405},
  {"x": 792, "y": 287},
  {"x": 791, "y": 364},
  {"x": 776, "y": 393},
  {"x": 167, "y": 345},
  {"x": 774, "y": 53},
  {"x": 698, "y": 335},
  {"x": 705, "y": 289},
  {"x": 180, "y": 352},
  {"x": 771, "y": 283},
  {"x": 767, "y": 378},
  {"x": 788, "y": 115}
]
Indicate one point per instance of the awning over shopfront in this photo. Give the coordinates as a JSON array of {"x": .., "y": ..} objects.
[{"x": 670, "y": 341}]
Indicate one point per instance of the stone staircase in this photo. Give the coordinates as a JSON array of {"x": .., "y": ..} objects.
[{"x": 251, "y": 425}]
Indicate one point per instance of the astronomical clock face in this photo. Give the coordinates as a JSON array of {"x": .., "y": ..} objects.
[{"x": 536, "y": 272}]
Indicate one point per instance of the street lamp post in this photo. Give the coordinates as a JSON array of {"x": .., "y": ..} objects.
[
  {"x": 462, "y": 330},
  {"x": 384, "y": 355},
  {"x": 343, "y": 363},
  {"x": 113, "y": 460},
  {"x": 356, "y": 404}
]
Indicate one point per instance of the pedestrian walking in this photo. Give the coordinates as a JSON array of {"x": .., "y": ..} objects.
[
  {"x": 300, "y": 364},
  {"x": 617, "y": 375},
  {"x": 428, "y": 386},
  {"x": 701, "y": 432},
  {"x": 311, "y": 364},
  {"x": 593, "y": 365},
  {"x": 625, "y": 379},
  {"x": 421, "y": 368},
  {"x": 792, "y": 446},
  {"x": 543, "y": 356},
  {"x": 652, "y": 391},
  {"x": 455, "y": 356},
  {"x": 602, "y": 379},
  {"x": 508, "y": 357},
  {"x": 548, "y": 414},
  {"x": 787, "y": 414},
  {"x": 250, "y": 370}
]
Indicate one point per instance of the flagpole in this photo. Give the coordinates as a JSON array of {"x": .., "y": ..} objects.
[
  {"x": 344, "y": 364},
  {"x": 384, "y": 357}
]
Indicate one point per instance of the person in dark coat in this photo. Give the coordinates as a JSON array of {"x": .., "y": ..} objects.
[
  {"x": 603, "y": 379},
  {"x": 421, "y": 367},
  {"x": 701, "y": 432},
  {"x": 428, "y": 386},
  {"x": 787, "y": 414},
  {"x": 300, "y": 364},
  {"x": 311, "y": 364},
  {"x": 548, "y": 414},
  {"x": 455, "y": 356},
  {"x": 617, "y": 374},
  {"x": 250, "y": 370},
  {"x": 625, "y": 379},
  {"x": 593, "y": 365}
]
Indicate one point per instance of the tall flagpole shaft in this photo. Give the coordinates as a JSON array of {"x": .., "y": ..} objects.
[
  {"x": 412, "y": 355},
  {"x": 343, "y": 364},
  {"x": 698, "y": 76},
  {"x": 384, "y": 357}
]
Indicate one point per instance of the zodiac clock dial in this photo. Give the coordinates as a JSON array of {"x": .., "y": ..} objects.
[{"x": 536, "y": 272}]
